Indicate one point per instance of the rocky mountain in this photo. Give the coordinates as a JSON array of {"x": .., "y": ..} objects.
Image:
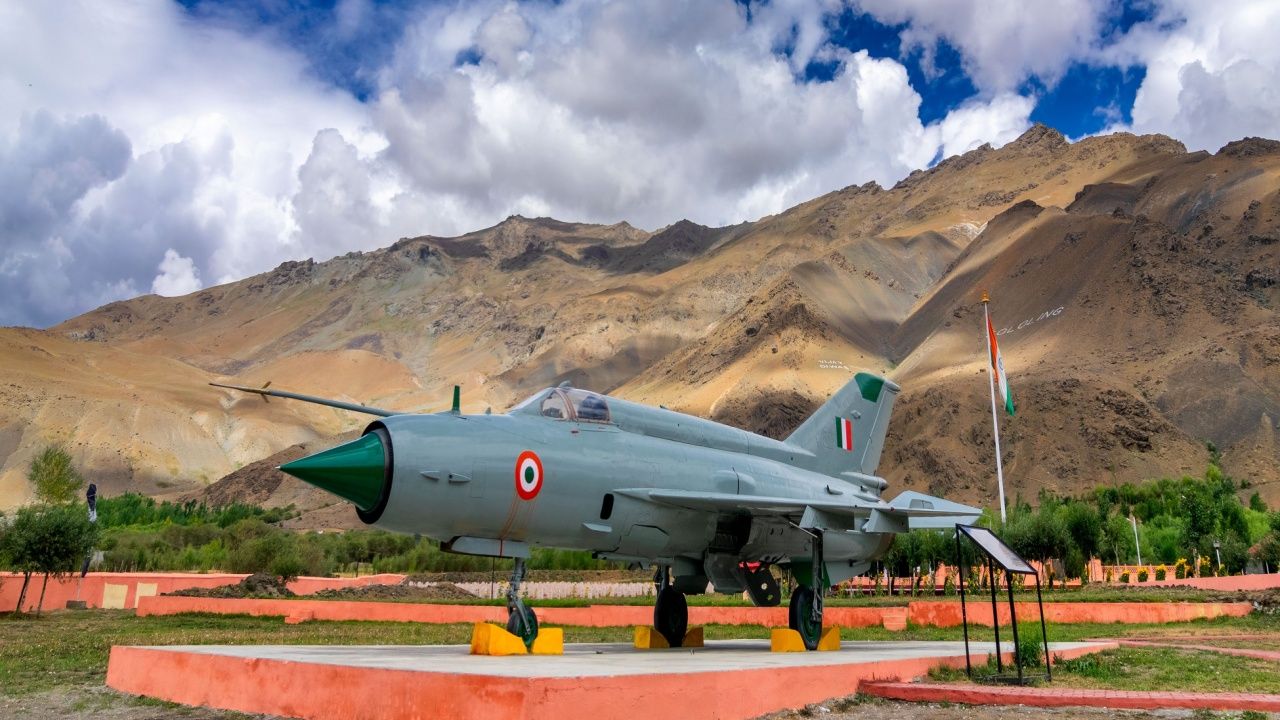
[{"x": 1134, "y": 285}]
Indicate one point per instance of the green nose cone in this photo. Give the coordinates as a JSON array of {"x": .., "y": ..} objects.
[{"x": 354, "y": 471}]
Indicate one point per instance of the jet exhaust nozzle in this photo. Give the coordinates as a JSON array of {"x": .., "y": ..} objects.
[{"x": 358, "y": 471}]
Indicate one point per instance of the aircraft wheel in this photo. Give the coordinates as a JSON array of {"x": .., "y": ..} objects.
[
  {"x": 801, "y": 617},
  {"x": 523, "y": 623},
  {"x": 671, "y": 615}
]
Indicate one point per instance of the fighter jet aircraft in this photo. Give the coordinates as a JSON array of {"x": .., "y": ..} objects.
[{"x": 700, "y": 502}]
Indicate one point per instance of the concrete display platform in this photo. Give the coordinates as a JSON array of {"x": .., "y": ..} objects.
[{"x": 726, "y": 679}]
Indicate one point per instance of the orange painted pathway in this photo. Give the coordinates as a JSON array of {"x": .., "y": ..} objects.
[{"x": 1068, "y": 697}]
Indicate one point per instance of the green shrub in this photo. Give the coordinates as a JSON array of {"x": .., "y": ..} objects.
[
  {"x": 52, "y": 476},
  {"x": 1030, "y": 652}
]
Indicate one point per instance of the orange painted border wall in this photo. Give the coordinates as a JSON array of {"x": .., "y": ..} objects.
[
  {"x": 590, "y": 616},
  {"x": 93, "y": 589},
  {"x": 318, "y": 691},
  {"x": 947, "y": 614},
  {"x": 937, "y": 614}
]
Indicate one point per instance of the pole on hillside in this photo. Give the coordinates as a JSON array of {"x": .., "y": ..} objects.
[
  {"x": 1136, "y": 545},
  {"x": 995, "y": 418}
]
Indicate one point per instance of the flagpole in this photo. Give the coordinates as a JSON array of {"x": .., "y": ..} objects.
[{"x": 995, "y": 418}]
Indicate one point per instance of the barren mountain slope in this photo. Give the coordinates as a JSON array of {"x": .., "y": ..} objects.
[
  {"x": 886, "y": 248},
  {"x": 749, "y": 324},
  {"x": 1137, "y": 324}
]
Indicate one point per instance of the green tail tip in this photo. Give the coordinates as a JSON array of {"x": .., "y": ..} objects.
[{"x": 457, "y": 400}]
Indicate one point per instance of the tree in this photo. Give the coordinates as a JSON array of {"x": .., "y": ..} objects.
[
  {"x": 1117, "y": 538},
  {"x": 896, "y": 560},
  {"x": 1084, "y": 528},
  {"x": 18, "y": 550},
  {"x": 53, "y": 477},
  {"x": 1234, "y": 553},
  {"x": 50, "y": 540},
  {"x": 1269, "y": 551},
  {"x": 1040, "y": 534},
  {"x": 1256, "y": 503}
]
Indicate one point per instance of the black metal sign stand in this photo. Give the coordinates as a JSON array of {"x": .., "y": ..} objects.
[{"x": 999, "y": 554}]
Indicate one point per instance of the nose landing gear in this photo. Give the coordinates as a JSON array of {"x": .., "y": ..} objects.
[{"x": 521, "y": 621}]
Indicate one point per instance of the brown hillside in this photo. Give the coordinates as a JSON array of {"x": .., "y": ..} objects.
[{"x": 1136, "y": 285}]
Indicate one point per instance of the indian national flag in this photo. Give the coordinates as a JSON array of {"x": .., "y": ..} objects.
[
  {"x": 997, "y": 363},
  {"x": 844, "y": 434}
]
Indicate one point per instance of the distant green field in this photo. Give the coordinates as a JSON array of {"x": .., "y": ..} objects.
[{"x": 1094, "y": 593}]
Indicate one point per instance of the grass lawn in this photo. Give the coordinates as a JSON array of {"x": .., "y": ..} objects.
[
  {"x": 1168, "y": 669},
  {"x": 1157, "y": 668},
  {"x": 69, "y": 649},
  {"x": 1266, "y": 642}
]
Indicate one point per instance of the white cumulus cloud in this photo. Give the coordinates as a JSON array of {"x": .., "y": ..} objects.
[
  {"x": 178, "y": 275},
  {"x": 973, "y": 124},
  {"x": 174, "y": 150},
  {"x": 207, "y": 127},
  {"x": 645, "y": 111},
  {"x": 1002, "y": 43},
  {"x": 1212, "y": 71}
]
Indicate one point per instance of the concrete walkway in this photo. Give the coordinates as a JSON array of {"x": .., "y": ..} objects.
[{"x": 1068, "y": 697}]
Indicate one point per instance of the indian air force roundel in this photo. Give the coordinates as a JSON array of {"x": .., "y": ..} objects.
[{"x": 528, "y": 475}]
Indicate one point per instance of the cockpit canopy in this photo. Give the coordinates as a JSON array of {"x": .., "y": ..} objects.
[{"x": 573, "y": 404}]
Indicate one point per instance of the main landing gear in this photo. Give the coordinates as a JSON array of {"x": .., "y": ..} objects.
[
  {"x": 521, "y": 621},
  {"x": 670, "y": 611},
  {"x": 805, "y": 612}
]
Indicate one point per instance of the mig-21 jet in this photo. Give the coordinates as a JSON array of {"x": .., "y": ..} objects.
[{"x": 702, "y": 503}]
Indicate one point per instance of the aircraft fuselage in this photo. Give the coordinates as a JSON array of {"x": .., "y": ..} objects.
[{"x": 456, "y": 476}]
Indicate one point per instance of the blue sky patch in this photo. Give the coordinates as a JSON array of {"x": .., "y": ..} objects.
[
  {"x": 1087, "y": 99},
  {"x": 344, "y": 56}
]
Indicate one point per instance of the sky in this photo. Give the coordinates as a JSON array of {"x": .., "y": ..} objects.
[{"x": 154, "y": 146}]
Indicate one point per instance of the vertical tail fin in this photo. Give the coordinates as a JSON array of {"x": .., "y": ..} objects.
[{"x": 847, "y": 432}]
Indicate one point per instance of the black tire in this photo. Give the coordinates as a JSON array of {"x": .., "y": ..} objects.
[
  {"x": 800, "y": 617},
  {"x": 671, "y": 616},
  {"x": 523, "y": 623}
]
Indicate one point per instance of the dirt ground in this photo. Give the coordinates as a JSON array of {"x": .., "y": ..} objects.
[
  {"x": 404, "y": 591},
  {"x": 876, "y": 709},
  {"x": 258, "y": 586},
  {"x": 100, "y": 703},
  {"x": 85, "y": 703}
]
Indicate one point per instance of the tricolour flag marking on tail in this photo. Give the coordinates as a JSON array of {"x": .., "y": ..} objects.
[
  {"x": 997, "y": 363},
  {"x": 844, "y": 434}
]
